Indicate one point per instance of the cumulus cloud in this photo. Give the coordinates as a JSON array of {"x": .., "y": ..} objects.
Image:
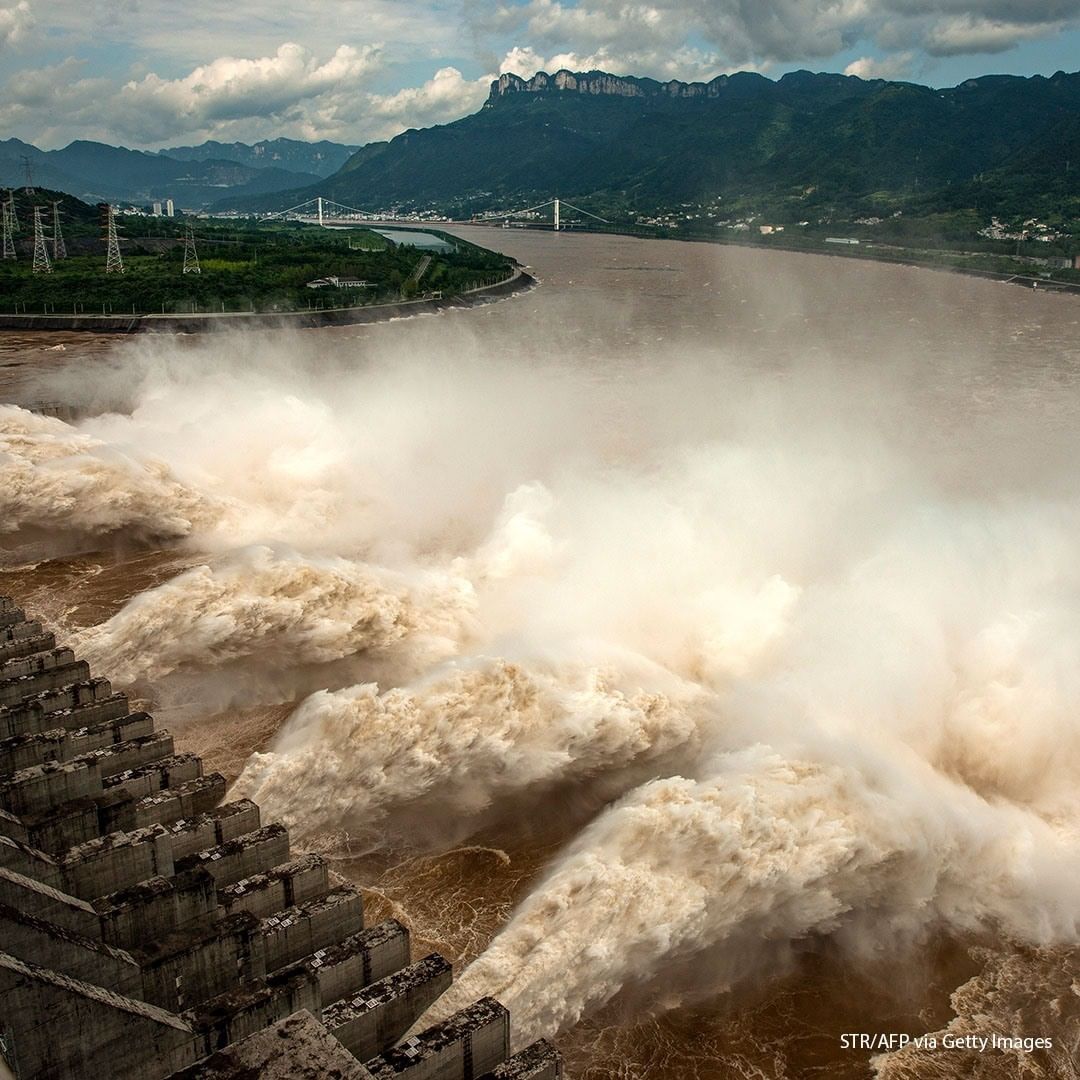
[
  {"x": 448, "y": 95},
  {"x": 683, "y": 63},
  {"x": 740, "y": 33},
  {"x": 232, "y": 88},
  {"x": 525, "y": 62},
  {"x": 896, "y": 66},
  {"x": 966, "y": 34},
  {"x": 40, "y": 98},
  {"x": 292, "y": 92},
  {"x": 15, "y": 20}
]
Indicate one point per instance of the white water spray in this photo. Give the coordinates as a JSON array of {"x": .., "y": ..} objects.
[{"x": 841, "y": 626}]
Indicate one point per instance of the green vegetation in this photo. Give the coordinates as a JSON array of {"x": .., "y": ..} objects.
[{"x": 244, "y": 266}]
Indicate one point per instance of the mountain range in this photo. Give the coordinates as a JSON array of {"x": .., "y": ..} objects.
[
  {"x": 318, "y": 158},
  {"x": 193, "y": 176},
  {"x": 802, "y": 144}
]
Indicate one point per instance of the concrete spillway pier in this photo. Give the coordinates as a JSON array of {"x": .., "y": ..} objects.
[{"x": 148, "y": 929}]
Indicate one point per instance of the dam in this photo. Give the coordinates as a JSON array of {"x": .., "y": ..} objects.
[{"x": 151, "y": 929}]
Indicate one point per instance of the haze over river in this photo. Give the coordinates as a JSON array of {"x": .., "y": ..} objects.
[{"x": 693, "y": 642}]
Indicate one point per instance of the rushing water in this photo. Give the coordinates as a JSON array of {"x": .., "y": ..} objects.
[{"x": 692, "y": 642}]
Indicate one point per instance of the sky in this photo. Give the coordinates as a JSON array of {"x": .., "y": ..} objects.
[{"x": 156, "y": 73}]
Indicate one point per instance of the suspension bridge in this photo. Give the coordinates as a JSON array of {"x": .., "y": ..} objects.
[
  {"x": 532, "y": 215},
  {"x": 321, "y": 210}
]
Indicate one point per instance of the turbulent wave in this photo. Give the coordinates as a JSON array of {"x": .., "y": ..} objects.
[
  {"x": 56, "y": 478},
  {"x": 457, "y": 743},
  {"x": 767, "y": 851},
  {"x": 279, "y": 609}
]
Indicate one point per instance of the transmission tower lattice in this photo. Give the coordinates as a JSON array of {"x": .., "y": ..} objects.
[
  {"x": 59, "y": 248},
  {"x": 29, "y": 169},
  {"x": 9, "y": 229},
  {"x": 191, "y": 256},
  {"x": 11, "y": 209},
  {"x": 41, "y": 252},
  {"x": 113, "y": 263}
]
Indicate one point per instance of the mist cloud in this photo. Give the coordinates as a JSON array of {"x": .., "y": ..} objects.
[{"x": 827, "y": 682}]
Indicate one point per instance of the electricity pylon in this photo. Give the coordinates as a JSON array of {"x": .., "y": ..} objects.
[
  {"x": 59, "y": 248},
  {"x": 41, "y": 252},
  {"x": 11, "y": 208},
  {"x": 191, "y": 256},
  {"x": 114, "y": 264},
  {"x": 9, "y": 228}
]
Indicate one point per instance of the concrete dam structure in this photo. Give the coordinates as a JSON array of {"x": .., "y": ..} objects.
[{"x": 148, "y": 929}]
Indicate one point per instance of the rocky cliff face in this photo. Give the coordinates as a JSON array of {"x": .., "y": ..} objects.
[{"x": 599, "y": 82}]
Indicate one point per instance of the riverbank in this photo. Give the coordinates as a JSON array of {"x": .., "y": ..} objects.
[{"x": 296, "y": 320}]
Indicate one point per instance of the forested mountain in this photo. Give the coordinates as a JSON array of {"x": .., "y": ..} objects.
[
  {"x": 317, "y": 158},
  {"x": 803, "y": 146},
  {"x": 803, "y": 141},
  {"x": 1041, "y": 178}
]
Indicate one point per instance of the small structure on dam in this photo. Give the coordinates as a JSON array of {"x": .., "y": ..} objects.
[{"x": 149, "y": 930}]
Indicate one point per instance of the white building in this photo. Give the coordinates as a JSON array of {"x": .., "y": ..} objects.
[
  {"x": 338, "y": 283},
  {"x": 169, "y": 209}
]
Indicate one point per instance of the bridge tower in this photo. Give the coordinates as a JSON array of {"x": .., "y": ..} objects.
[
  {"x": 114, "y": 264},
  {"x": 59, "y": 248},
  {"x": 41, "y": 252},
  {"x": 320, "y": 210},
  {"x": 556, "y": 205}
]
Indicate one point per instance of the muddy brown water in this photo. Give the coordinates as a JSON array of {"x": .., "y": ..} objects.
[{"x": 621, "y": 307}]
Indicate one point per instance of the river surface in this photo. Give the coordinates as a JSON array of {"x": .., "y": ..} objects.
[
  {"x": 426, "y": 241},
  {"x": 693, "y": 641}
]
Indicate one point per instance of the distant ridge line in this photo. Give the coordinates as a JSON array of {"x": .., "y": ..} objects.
[
  {"x": 597, "y": 82},
  {"x": 600, "y": 82}
]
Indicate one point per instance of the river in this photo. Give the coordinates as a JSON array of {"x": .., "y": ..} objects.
[{"x": 691, "y": 641}]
